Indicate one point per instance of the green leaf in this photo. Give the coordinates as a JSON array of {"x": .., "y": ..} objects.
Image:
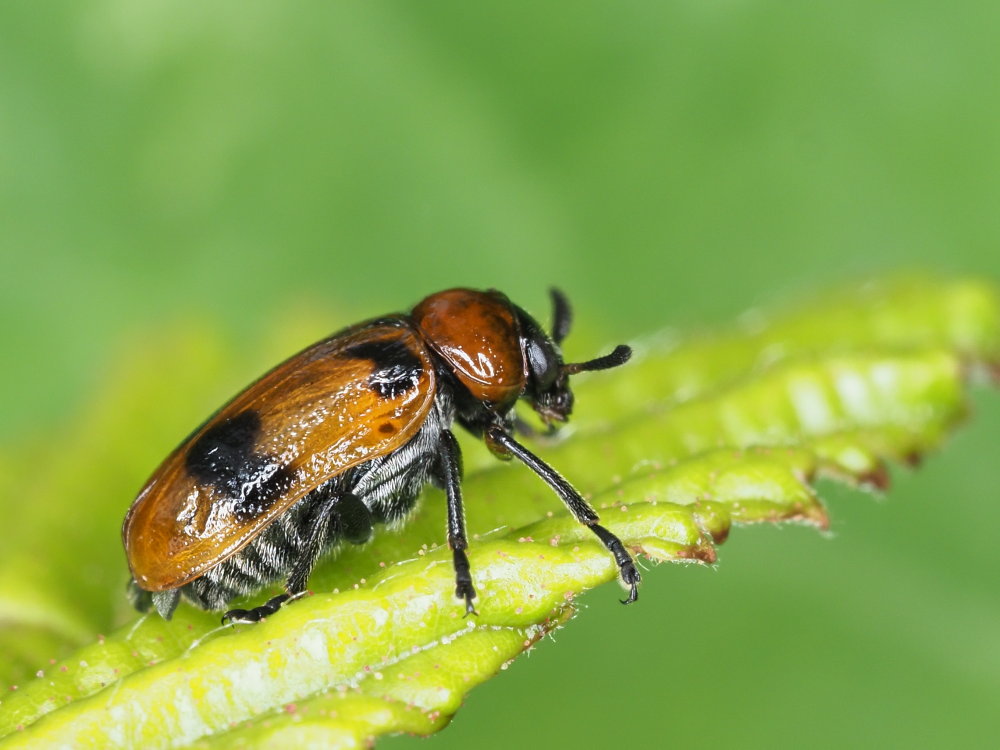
[{"x": 691, "y": 438}]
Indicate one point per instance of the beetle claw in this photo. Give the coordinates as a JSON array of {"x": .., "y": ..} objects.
[
  {"x": 464, "y": 590},
  {"x": 469, "y": 608},
  {"x": 631, "y": 578}
]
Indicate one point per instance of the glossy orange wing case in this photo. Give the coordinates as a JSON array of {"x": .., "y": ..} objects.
[{"x": 309, "y": 419}]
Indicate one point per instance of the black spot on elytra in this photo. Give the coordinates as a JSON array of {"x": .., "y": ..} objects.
[
  {"x": 386, "y": 428},
  {"x": 266, "y": 484},
  {"x": 397, "y": 369},
  {"x": 224, "y": 458},
  {"x": 219, "y": 456}
]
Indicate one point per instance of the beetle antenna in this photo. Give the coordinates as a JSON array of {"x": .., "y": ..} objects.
[
  {"x": 562, "y": 315},
  {"x": 619, "y": 356}
]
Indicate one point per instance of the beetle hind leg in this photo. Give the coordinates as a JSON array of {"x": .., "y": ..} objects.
[
  {"x": 138, "y": 597},
  {"x": 164, "y": 602},
  {"x": 339, "y": 514}
]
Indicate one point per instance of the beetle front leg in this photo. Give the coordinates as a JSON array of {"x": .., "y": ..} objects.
[
  {"x": 450, "y": 473},
  {"x": 579, "y": 507}
]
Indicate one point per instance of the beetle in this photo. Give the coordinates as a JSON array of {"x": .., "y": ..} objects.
[{"x": 344, "y": 435}]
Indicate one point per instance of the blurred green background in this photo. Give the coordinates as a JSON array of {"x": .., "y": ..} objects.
[{"x": 220, "y": 164}]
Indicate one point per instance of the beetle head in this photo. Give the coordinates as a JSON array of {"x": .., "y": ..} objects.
[{"x": 547, "y": 385}]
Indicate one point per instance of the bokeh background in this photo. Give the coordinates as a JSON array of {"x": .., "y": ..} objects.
[{"x": 220, "y": 164}]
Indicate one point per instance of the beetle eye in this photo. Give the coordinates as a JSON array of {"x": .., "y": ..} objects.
[{"x": 543, "y": 363}]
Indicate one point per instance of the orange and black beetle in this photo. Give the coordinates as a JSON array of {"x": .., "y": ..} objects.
[{"x": 344, "y": 435}]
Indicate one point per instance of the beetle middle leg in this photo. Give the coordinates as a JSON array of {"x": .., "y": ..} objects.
[
  {"x": 338, "y": 513},
  {"x": 450, "y": 473}
]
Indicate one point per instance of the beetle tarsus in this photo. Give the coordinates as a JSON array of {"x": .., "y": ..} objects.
[
  {"x": 250, "y": 616},
  {"x": 463, "y": 581},
  {"x": 626, "y": 565}
]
